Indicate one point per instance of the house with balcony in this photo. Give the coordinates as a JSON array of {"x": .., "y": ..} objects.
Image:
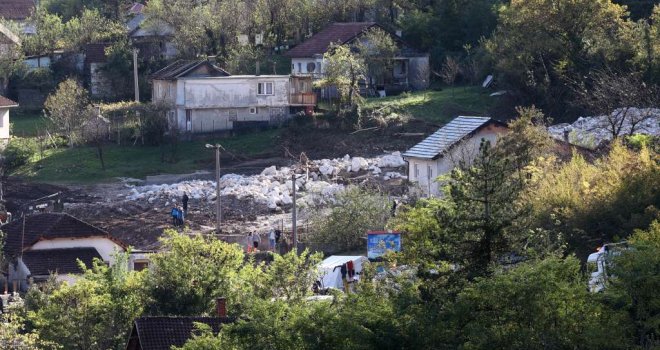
[
  {"x": 205, "y": 98},
  {"x": 410, "y": 69}
]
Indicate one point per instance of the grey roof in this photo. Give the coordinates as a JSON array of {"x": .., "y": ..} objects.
[
  {"x": 447, "y": 136},
  {"x": 180, "y": 68}
]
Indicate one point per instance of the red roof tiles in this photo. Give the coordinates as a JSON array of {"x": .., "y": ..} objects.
[
  {"x": 5, "y": 102},
  {"x": 338, "y": 33},
  {"x": 16, "y": 9}
]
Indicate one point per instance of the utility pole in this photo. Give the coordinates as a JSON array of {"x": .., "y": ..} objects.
[
  {"x": 135, "y": 76},
  {"x": 293, "y": 213},
  {"x": 218, "y": 203}
]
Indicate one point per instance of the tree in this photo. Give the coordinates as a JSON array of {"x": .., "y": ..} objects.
[
  {"x": 68, "y": 108},
  {"x": 377, "y": 49},
  {"x": 450, "y": 71},
  {"x": 354, "y": 212},
  {"x": 536, "y": 305},
  {"x": 11, "y": 57},
  {"x": 344, "y": 70},
  {"x": 190, "y": 272},
  {"x": 623, "y": 98},
  {"x": 104, "y": 302},
  {"x": 539, "y": 46},
  {"x": 48, "y": 34}
]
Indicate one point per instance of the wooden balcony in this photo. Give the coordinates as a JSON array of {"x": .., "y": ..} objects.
[{"x": 303, "y": 99}]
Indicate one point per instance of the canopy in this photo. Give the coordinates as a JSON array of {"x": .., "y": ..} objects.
[{"x": 332, "y": 279}]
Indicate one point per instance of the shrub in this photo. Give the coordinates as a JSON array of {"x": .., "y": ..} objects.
[{"x": 18, "y": 152}]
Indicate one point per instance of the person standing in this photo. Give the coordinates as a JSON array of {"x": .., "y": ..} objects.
[
  {"x": 271, "y": 239},
  {"x": 255, "y": 241},
  {"x": 184, "y": 200}
]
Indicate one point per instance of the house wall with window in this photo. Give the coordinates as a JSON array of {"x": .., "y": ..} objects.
[
  {"x": 424, "y": 172},
  {"x": 223, "y": 103}
]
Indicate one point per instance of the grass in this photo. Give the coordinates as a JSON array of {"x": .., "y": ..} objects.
[
  {"x": 27, "y": 123},
  {"x": 81, "y": 164},
  {"x": 438, "y": 106}
]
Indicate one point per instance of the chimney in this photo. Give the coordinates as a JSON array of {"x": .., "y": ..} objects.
[{"x": 221, "y": 307}]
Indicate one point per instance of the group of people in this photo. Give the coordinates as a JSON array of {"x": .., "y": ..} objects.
[
  {"x": 253, "y": 240},
  {"x": 179, "y": 213}
]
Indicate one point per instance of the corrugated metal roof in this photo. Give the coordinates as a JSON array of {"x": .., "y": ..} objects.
[{"x": 442, "y": 140}]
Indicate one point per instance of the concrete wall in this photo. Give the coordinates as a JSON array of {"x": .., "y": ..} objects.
[
  {"x": 419, "y": 73},
  {"x": 164, "y": 90},
  {"x": 104, "y": 246},
  {"x": 99, "y": 85},
  {"x": 463, "y": 153},
  {"x": 4, "y": 123}
]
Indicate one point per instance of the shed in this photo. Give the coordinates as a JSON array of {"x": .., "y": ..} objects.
[
  {"x": 455, "y": 143},
  {"x": 330, "y": 269}
]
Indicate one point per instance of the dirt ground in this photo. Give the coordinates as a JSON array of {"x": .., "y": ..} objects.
[{"x": 140, "y": 223}]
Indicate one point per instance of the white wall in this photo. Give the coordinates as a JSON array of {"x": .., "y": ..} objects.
[
  {"x": 465, "y": 152},
  {"x": 4, "y": 123},
  {"x": 104, "y": 246},
  {"x": 299, "y": 65},
  {"x": 231, "y": 92}
]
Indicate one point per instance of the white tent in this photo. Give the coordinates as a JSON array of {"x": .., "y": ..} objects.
[{"x": 330, "y": 269}]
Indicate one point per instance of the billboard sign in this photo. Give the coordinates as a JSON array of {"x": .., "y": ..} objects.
[{"x": 379, "y": 242}]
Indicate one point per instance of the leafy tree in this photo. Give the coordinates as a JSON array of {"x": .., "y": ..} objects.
[
  {"x": 634, "y": 285},
  {"x": 353, "y": 213},
  {"x": 15, "y": 336},
  {"x": 11, "y": 58},
  {"x": 91, "y": 27},
  {"x": 536, "y": 305},
  {"x": 344, "y": 70},
  {"x": 190, "y": 272},
  {"x": 541, "y": 45},
  {"x": 378, "y": 50},
  {"x": 48, "y": 34},
  {"x": 450, "y": 71},
  {"x": 104, "y": 302},
  {"x": 68, "y": 108}
]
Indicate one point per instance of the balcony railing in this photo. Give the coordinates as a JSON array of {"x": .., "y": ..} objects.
[{"x": 303, "y": 99}]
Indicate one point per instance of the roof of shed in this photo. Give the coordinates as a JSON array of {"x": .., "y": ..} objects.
[
  {"x": 338, "y": 33},
  {"x": 5, "y": 102},
  {"x": 95, "y": 53},
  {"x": 60, "y": 261},
  {"x": 16, "y": 9},
  {"x": 47, "y": 226},
  {"x": 180, "y": 68},
  {"x": 447, "y": 136},
  {"x": 163, "y": 332}
]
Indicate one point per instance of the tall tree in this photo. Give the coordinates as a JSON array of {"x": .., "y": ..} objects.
[{"x": 68, "y": 108}]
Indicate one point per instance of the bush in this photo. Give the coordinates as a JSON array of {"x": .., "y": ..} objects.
[{"x": 18, "y": 152}]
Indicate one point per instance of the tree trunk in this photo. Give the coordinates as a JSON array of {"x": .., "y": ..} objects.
[{"x": 99, "y": 147}]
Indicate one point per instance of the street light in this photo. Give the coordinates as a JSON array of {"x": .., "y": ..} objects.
[{"x": 218, "y": 207}]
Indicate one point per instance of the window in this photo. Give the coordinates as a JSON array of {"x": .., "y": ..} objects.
[
  {"x": 188, "y": 119},
  {"x": 311, "y": 67},
  {"x": 265, "y": 89},
  {"x": 299, "y": 67},
  {"x": 429, "y": 171},
  {"x": 254, "y": 110},
  {"x": 140, "y": 265},
  {"x": 416, "y": 171}
]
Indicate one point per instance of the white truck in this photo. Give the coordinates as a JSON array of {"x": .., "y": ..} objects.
[{"x": 599, "y": 262}]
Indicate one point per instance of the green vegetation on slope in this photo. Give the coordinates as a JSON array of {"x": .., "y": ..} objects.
[
  {"x": 437, "y": 106},
  {"x": 26, "y": 124},
  {"x": 81, "y": 164}
]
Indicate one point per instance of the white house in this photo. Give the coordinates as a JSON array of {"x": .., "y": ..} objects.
[
  {"x": 456, "y": 142},
  {"x": 205, "y": 98},
  {"x": 52, "y": 243},
  {"x": 5, "y": 105}
]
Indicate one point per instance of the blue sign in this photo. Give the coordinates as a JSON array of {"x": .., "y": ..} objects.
[{"x": 380, "y": 242}]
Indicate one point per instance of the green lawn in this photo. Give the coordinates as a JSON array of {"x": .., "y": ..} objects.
[
  {"x": 81, "y": 164},
  {"x": 438, "y": 106},
  {"x": 27, "y": 124}
]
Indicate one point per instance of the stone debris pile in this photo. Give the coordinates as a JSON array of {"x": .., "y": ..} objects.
[
  {"x": 317, "y": 183},
  {"x": 590, "y": 132}
]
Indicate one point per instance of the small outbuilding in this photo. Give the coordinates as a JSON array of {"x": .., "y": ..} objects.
[
  {"x": 5, "y": 105},
  {"x": 331, "y": 270},
  {"x": 455, "y": 143}
]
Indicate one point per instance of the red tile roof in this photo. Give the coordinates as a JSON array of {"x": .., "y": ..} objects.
[
  {"x": 5, "y": 102},
  {"x": 163, "y": 332},
  {"x": 340, "y": 33},
  {"x": 47, "y": 226},
  {"x": 16, "y": 9},
  {"x": 60, "y": 261}
]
